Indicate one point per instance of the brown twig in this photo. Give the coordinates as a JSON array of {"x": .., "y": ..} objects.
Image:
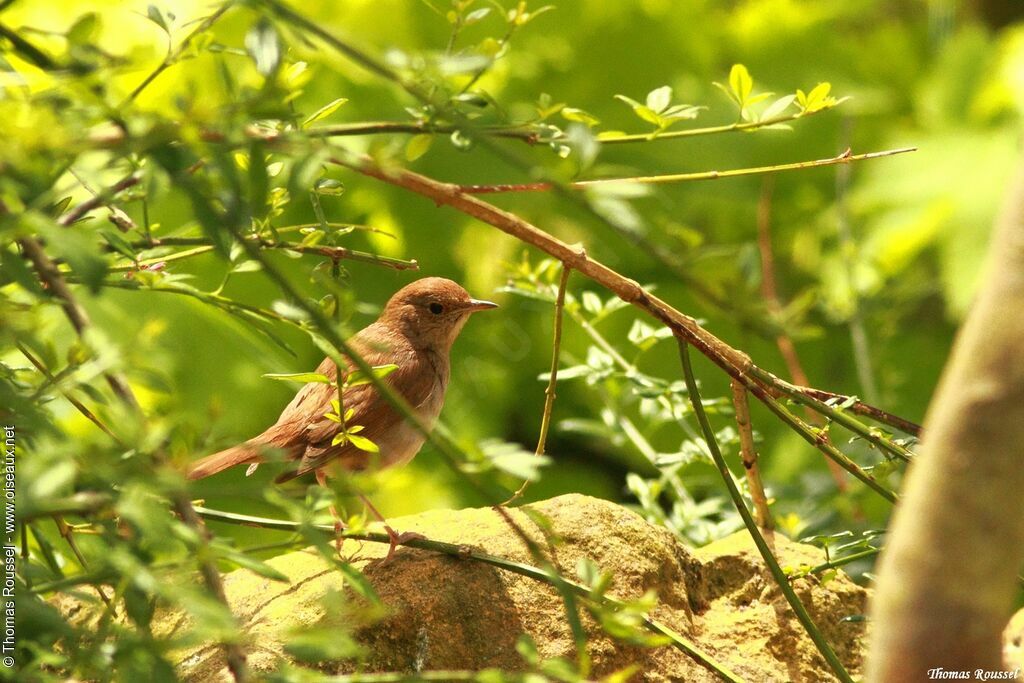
[
  {"x": 52, "y": 279},
  {"x": 734, "y": 362},
  {"x": 748, "y": 453},
  {"x": 549, "y": 392},
  {"x": 844, "y": 158},
  {"x": 100, "y": 198}
]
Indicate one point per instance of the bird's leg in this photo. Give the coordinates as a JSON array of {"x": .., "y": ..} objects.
[
  {"x": 396, "y": 538},
  {"x": 321, "y": 478}
]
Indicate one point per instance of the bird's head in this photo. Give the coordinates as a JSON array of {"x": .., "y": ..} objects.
[{"x": 431, "y": 312}]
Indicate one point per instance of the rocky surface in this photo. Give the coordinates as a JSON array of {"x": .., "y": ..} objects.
[{"x": 447, "y": 613}]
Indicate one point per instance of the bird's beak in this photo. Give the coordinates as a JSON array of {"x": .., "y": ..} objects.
[{"x": 479, "y": 305}]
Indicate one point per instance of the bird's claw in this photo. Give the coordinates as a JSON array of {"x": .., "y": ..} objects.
[{"x": 396, "y": 539}]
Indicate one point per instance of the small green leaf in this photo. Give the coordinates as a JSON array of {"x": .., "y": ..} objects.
[
  {"x": 363, "y": 444},
  {"x": 288, "y": 310},
  {"x": 154, "y": 14},
  {"x": 776, "y": 108},
  {"x": 579, "y": 116},
  {"x": 118, "y": 243},
  {"x": 380, "y": 371},
  {"x": 741, "y": 83},
  {"x": 659, "y": 98},
  {"x": 329, "y": 187},
  {"x": 249, "y": 266},
  {"x": 303, "y": 377},
  {"x": 252, "y": 564},
  {"x": 476, "y": 15},
  {"x": 324, "y": 111},
  {"x": 84, "y": 29},
  {"x": 418, "y": 146}
]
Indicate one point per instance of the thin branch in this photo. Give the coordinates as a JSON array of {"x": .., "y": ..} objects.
[
  {"x": 734, "y": 362},
  {"x": 860, "y": 408},
  {"x": 333, "y": 253},
  {"x": 100, "y": 198},
  {"x": 762, "y": 546},
  {"x": 844, "y": 560},
  {"x": 517, "y": 132},
  {"x": 738, "y": 127},
  {"x": 748, "y": 454},
  {"x": 52, "y": 279},
  {"x": 844, "y": 158},
  {"x": 67, "y": 533},
  {"x": 79, "y": 406},
  {"x": 549, "y": 392},
  {"x": 836, "y": 414},
  {"x": 528, "y": 133},
  {"x": 27, "y": 50}
]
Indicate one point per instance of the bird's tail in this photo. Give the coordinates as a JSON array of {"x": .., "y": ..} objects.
[{"x": 243, "y": 453}]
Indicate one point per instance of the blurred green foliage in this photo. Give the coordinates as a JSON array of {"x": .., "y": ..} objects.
[{"x": 875, "y": 263}]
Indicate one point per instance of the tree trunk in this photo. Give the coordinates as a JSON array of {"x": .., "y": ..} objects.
[{"x": 948, "y": 576}]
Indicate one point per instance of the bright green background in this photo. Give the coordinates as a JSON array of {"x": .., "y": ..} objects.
[{"x": 930, "y": 75}]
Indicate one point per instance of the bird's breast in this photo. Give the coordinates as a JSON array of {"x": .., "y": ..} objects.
[{"x": 400, "y": 445}]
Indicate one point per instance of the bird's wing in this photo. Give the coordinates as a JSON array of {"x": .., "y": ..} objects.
[{"x": 369, "y": 409}]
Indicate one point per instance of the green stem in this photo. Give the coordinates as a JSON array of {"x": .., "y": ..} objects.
[
  {"x": 334, "y": 253},
  {"x": 684, "y": 177},
  {"x": 549, "y": 392},
  {"x": 815, "y": 439},
  {"x": 846, "y": 559},
  {"x": 838, "y": 415},
  {"x": 748, "y": 520}
]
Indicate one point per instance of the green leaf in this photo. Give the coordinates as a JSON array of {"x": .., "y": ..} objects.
[
  {"x": 154, "y": 14},
  {"x": 527, "y": 649},
  {"x": 358, "y": 581},
  {"x": 659, "y": 98},
  {"x": 380, "y": 371},
  {"x": 363, "y": 444},
  {"x": 418, "y": 146},
  {"x": 118, "y": 243},
  {"x": 84, "y": 30},
  {"x": 776, "y": 108},
  {"x": 579, "y": 116},
  {"x": 329, "y": 187},
  {"x": 324, "y": 111},
  {"x": 251, "y": 563},
  {"x": 475, "y": 16},
  {"x": 513, "y": 459},
  {"x": 288, "y": 310},
  {"x": 740, "y": 83},
  {"x": 249, "y": 266},
  {"x": 303, "y": 377}
]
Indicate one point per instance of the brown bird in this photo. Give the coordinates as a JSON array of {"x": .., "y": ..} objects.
[{"x": 415, "y": 332}]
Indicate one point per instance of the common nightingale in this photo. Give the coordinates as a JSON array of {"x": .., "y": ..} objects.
[{"x": 415, "y": 331}]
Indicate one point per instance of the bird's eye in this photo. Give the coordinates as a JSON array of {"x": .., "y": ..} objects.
[{"x": 436, "y": 308}]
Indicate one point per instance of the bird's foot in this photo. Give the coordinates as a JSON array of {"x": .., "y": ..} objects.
[
  {"x": 396, "y": 539},
  {"x": 339, "y": 528}
]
